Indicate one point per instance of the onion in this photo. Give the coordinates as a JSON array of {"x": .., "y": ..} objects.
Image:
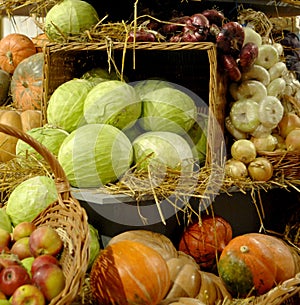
[
  {"x": 288, "y": 122},
  {"x": 214, "y": 16},
  {"x": 236, "y": 169},
  {"x": 243, "y": 150},
  {"x": 292, "y": 140},
  {"x": 260, "y": 169},
  {"x": 268, "y": 143}
]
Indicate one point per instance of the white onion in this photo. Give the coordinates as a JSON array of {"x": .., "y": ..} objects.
[
  {"x": 260, "y": 169},
  {"x": 268, "y": 143},
  {"x": 243, "y": 150},
  {"x": 236, "y": 169}
]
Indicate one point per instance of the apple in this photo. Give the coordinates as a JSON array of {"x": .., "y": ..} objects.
[
  {"x": 45, "y": 240},
  {"x": 21, "y": 248},
  {"x": 13, "y": 277},
  {"x": 5, "y": 238},
  {"x": 42, "y": 260},
  {"x": 23, "y": 229},
  {"x": 50, "y": 279},
  {"x": 2, "y": 296},
  {"x": 5, "y": 302},
  {"x": 8, "y": 259},
  {"x": 28, "y": 295}
]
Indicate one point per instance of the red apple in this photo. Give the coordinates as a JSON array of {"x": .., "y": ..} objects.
[
  {"x": 8, "y": 259},
  {"x": 28, "y": 295},
  {"x": 5, "y": 238},
  {"x": 23, "y": 229},
  {"x": 13, "y": 277},
  {"x": 42, "y": 260},
  {"x": 21, "y": 248},
  {"x": 45, "y": 240},
  {"x": 49, "y": 278}
]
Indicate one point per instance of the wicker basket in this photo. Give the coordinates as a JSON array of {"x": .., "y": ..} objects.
[
  {"x": 192, "y": 65},
  {"x": 68, "y": 218}
]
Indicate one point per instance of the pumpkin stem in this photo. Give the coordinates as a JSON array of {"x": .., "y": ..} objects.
[
  {"x": 9, "y": 55},
  {"x": 244, "y": 249}
]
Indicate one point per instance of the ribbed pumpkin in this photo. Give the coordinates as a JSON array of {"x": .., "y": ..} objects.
[
  {"x": 23, "y": 121},
  {"x": 129, "y": 272},
  {"x": 253, "y": 263},
  {"x": 5, "y": 79},
  {"x": 206, "y": 239},
  {"x": 13, "y": 49},
  {"x": 27, "y": 83}
]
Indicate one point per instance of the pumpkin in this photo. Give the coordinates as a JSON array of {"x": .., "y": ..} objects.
[
  {"x": 253, "y": 263},
  {"x": 14, "y": 48},
  {"x": 18, "y": 120},
  {"x": 31, "y": 119},
  {"x": 5, "y": 79},
  {"x": 205, "y": 241},
  {"x": 182, "y": 301},
  {"x": 40, "y": 41},
  {"x": 27, "y": 83},
  {"x": 154, "y": 240},
  {"x": 129, "y": 272}
]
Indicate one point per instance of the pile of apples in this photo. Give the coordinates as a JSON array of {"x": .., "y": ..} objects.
[{"x": 30, "y": 272}]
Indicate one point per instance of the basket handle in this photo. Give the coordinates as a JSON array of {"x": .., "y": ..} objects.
[{"x": 62, "y": 183}]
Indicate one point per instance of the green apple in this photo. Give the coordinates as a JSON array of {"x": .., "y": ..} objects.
[{"x": 23, "y": 229}]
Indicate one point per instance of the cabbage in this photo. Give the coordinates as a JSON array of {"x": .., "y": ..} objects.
[
  {"x": 158, "y": 148},
  {"x": 112, "y": 102},
  {"x": 94, "y": 244},
  {"x": 68, "y": 18},
  {"x": 98, "y": 75},
  {"x": 49, "y": 136},
  {"x": 5, "y": 222},
  {"x": 65, "y": 106},
  {"x": 168, "y": 109},
  {"x": 94, "y": 155},
  {"x": 30, "y": 198},
  {"x": 149, "y": 85}
]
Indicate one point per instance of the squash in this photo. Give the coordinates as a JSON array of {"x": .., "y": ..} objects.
[
  {"x": 40, "y": 41},
  {"x": 129, "y": 272},
  {"x": 5, "y": 79},
  {"x": 23, "y": 121},
  {"x": 13, "y": 49},
  {"x": 155, "y": 240},
  {"x": 27, "y": 83},
  {"x": 204, "y": 241},
  {"x": 253, "y": 263},
  {"x": 182, "y": 301}
]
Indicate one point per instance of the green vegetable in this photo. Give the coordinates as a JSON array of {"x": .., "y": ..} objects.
[
  {"x": 112, "y": 102},
  {"x": 162, "y": 148},
  {"x": 168, "y": 109},
  {"x": 69, "y": 18},
  {"x": 5, "y": 222},
  {"x": 30, "y": 198},
  {"x": 95, "y": 154},
  {"x": 49, "y": 136},
  {"x": 94, "y": 244},
  {"x": 149, "y": 85},
  {"x": 98, "y": 75},
  {"x": 27, "y": 263},
  {"x": 65, "y": 106}
]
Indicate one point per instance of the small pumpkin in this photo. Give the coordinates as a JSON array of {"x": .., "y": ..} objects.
[
  {"x": 15, "y": 119},
  {"x": 253, "y": 263},
  {"x": 129, "y": 272},
  {"x": 31, "y": 119},
  {"x": 40, "y": 41},
  {"x": 154, "y": 240},
  {"x": 14, "y": 48},
  {"x": 27, "y": 83},
  {"x": 204, "y": 241},
  {"x": 5, "y": 79}
]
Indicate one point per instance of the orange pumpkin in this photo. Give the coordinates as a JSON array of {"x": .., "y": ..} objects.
[
  {"x": 129, "y": 272},
  {"x": 18, "y": 120},
  {"x": 40, "y": 41},
  {"x": 13, "y": 49},
  {"x": 254, "y": 263},
  {"x": 205, "y": 241},
  {"x": 27, "y": 83}
]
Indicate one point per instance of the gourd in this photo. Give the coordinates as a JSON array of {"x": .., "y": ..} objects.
[
  {"x": 253, "y": 263},
  {"x": 27, "y": 83},
  {"x": 15, "y": 119},
  {"x": 14, "y": 48},
  {"x": 154, "y": 240},
  {"x": 204, "y": 241},
  {"x": 129, "y": 272},
  {"x": 5, "y": 79}
]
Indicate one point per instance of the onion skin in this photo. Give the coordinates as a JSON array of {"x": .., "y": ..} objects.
[
  {"x": 248, "y": 55},
  {"x": 243, "y": 150},
  {"x": 176, "y": 24},
  {"x": 214, "y": 16},
  {"x": 141, "y": 35},
  {"x": 231, "y": 38},
  {"x": 292, "y": 140},
  {"x": 288, "y": 122},
  {"x": 236, "y": 169},
  {"x": 231, "y": 67}
]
